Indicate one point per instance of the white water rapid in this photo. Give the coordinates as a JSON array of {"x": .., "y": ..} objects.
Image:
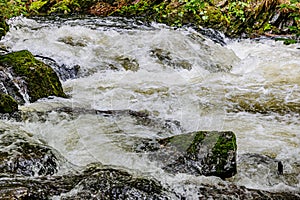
[{"x": 249, "y": 87}]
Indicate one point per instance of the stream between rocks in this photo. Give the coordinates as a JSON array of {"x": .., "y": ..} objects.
[{"x": 184, "y": 80}]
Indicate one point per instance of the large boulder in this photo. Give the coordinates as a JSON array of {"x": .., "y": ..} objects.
[
  {"x": 27, "y": 79},
  {"x": 94, "y": 182},
  {"x": 209, "y": 153}
]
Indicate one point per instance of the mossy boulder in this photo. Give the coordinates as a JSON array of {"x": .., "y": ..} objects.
[
  {"x": 210, "y": 153},
  {"x": 7, "y": 104},
  {"x": 34, "y": 78},
  {"x": 3, "y": 27}
]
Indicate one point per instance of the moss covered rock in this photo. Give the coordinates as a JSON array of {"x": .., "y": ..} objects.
[
  {"x": 210, "y": 153},
  {"x": 7, "y": 104},
  {"x": 34, "y": 78}
]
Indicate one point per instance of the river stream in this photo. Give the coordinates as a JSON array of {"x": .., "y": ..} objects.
[{"x": 250, "y": 87}]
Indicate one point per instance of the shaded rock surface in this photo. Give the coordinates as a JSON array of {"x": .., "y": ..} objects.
[
  {"x": 104, "y": 182},
  {"x": 199, "y": 153},
  {"x": 22, "y": 155},
  {"x": 27, "y": 79},
  {"x": 255, "y": 102},
  {"x": 267, "y": 173},
  {"x": 95, "y": 182},
  {"x": 165, "y": 58}
]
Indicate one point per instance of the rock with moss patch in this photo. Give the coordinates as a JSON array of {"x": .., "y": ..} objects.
[
  {"x": 28, "y": 79},
  {"x": 7, "y": 104},
  {"x": 209, "y": 153}
]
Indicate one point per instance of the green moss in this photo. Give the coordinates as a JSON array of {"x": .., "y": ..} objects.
[
  {"x": 7, "y": 104},
  {"x": 225, "y": 145},
  {"x": 183, "y": 143},
  {"x": 3, "y": 27},
  {"x": 41, "y": 80},
  {"x": 198, "y": 138},
  {"x": 286, "y": 41}
]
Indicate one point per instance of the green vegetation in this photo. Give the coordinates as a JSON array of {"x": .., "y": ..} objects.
[
  {"x": 7, "y": 104},
  {"x": 253, "y": 17},
  {"x": 41, "y": 80},
  {"x": 234, "y": 17},
  {"x": 3, "y": 27},
  {"x": 12, "y": 8},
  {"x": 225, "y": 146},
  {"x": 198, "y": 138}
]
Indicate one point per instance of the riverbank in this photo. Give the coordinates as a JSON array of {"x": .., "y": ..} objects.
[{"x": 248, "y": 18}]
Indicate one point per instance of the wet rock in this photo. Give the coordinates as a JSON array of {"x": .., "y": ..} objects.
[
  {"x": 7, "y": 104},
  {"x": 214, "y": 35},
  {"x": 262, "y": 103},
  {"x": 199, "y": 153},
  {"x": 102, "y": 182},
  {"x": 231, "y": 191},
  {"x": 36, "y": 187},
  {"x": 74, "y": 42},
  {"x": 166, "y": 58},
  {"x": 20, "y": 154},
  {"x": 64, "y": 72},
  {"x": 31, "y": 78},
  {"x": 106, "y": 182},
  {"x": 28, "y": 171},
  {"x": 128, "y": 63},
  {"x": 95, "y": 182},
  {"x": 264, "y": 169}
]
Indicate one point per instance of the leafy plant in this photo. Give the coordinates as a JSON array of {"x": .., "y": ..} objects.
[
  {"x": 12, "y": 8},
  {"x": 293, "y": 8},
  {"x": 35, "y": 6},
  {"x": 194, "y": 6},
  {"x": 237, "y": 10}
]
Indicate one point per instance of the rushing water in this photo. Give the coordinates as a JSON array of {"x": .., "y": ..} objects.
[{"x": 249, "y": 87}]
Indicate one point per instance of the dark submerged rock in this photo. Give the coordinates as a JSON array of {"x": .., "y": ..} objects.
[
  {"x": 166, "y": 58},
  {"x": 231, "y": 191},
  {"x": 267, "y": 170},
  {"x": 200, "y": 153},
  {"x": 104, "y": 182},
  {"x": 94, "y": 182},
  {"x": 128, "y": 63},
  {"x": 7, "y": 104},
  {"x": 254, "y": 102},
  {"x": 28, "y": 76},
  {"x": 20, "y": 154}
]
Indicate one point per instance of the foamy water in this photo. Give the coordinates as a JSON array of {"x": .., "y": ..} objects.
[{"x": 249, "y": 87}]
